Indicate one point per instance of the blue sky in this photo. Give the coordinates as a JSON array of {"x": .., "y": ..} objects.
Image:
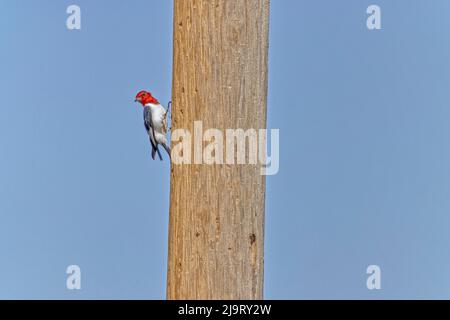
[{"x": 364, "y": 158}]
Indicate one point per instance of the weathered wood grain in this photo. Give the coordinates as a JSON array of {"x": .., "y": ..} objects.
[{"x": 216, "y": 232}]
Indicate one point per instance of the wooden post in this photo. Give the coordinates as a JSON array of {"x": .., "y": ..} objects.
[{"x": 216, "y": 232}]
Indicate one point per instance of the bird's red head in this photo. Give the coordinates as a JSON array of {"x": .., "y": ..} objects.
[{"x": 145, "y": 97}]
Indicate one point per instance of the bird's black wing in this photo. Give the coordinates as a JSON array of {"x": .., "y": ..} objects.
[{"x": 151, "y": 132}]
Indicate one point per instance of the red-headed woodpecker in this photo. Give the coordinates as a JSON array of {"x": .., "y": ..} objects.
[{"x": 155, "y": 121}]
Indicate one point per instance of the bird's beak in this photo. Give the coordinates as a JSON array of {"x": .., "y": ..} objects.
[{"x": 135, "y": 100}]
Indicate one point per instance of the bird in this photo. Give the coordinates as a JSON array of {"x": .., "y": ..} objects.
[{"x": 155, "y": 121}]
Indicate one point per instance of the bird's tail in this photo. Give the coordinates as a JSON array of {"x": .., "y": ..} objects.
[{"x": 154, "y": 151}]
